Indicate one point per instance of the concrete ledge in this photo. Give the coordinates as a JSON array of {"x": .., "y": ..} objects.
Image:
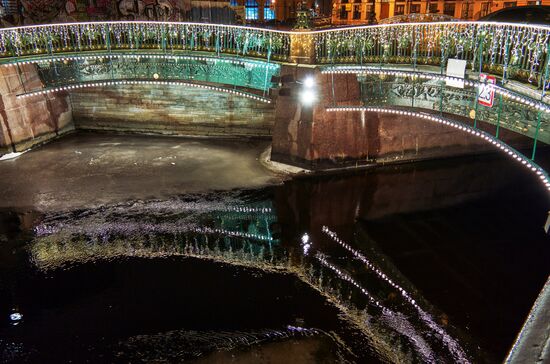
[{"x": 533, "y": 342}]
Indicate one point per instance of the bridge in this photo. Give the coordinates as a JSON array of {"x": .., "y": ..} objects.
[{"x": 372, "y": 94}]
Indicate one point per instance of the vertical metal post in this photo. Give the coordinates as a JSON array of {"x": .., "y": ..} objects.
[
  {"x": 499, "y": 113},
  {"x": 218, "y": 42},
  {"x": 441, "y": 93},
  {"x": 332, "y": 80},
  {"x": 414, "y": 65},
  {"x": 361, "y": 88},
  {"x": 536, "y": 136}
]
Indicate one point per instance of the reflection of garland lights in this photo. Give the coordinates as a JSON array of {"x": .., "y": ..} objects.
[
  {"x": 531, "y": 165},
  {"x": 396, "y": 321},
  {"x": 371, "y": 266},
  {"x": 142, "y": 82},
  {"x": 128, "y": 228},
  {"x": 448, "y": 340},
  {"x": 207, "y": 230},
  {"x": 360, "y": 70},
  {"x": 64, "y": 58},
  {"x": 320, "y": 257},
  {"x": 248, "y": 209}
]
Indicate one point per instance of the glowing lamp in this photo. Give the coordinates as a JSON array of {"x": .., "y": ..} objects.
[
  {"x": 309, "y": 82},
  {"x": 308, "y": 97}
]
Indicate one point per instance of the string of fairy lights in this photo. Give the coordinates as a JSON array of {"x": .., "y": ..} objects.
[
  {"x": 513, "y": 153},
  {"x": 143, "y": 82}
]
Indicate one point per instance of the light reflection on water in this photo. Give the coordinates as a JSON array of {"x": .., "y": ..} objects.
[
  {"x": 242, "y": 234},
  {"x": 319, "y": 232}
]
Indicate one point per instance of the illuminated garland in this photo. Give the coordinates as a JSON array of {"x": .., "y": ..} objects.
[
  {"x": 523, "y": 160},
  {"x": 503, "y": 47},
  {"x": 142, "y": 82}
]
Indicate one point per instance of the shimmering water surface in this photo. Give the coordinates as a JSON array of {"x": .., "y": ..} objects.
[{"x": 431, "y": 262}]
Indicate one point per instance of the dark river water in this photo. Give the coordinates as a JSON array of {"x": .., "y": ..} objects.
[{"x": 431, "y": 262}]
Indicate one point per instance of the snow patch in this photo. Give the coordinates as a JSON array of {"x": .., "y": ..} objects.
[{"x": 10, "y": 156}]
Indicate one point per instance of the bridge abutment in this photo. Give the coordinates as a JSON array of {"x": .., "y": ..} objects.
[{"x": 25, "y": 122}]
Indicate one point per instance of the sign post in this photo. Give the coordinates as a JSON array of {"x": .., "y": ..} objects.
[{"x": 486, "y": 93}]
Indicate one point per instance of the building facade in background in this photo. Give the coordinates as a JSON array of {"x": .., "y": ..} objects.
[
  {"x": 350, "y": 12},
  {"x": 27, "y": 12},
  {"x": 276, "y": 10}
]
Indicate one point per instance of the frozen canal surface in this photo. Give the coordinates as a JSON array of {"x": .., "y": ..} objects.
[{"x": 86, "y": 169}]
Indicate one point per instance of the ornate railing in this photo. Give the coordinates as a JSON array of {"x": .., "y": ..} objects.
[
  {"x": 512, "y": 51},
  {"x": 510, "y": 111},
  {"x": 113, "y": 36},
  {"x": 229, "y": 71}
]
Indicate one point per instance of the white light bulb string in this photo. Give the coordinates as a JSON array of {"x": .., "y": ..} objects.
[{"x": 143, "y": 82}]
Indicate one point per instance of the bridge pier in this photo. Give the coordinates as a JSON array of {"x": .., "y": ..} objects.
[{"x": 316, "y": 138}]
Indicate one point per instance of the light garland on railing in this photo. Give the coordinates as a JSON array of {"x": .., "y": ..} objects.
[
  {"x": 520, "y": 158},
  {"x": 65, "y": 58},
  {"x": 167, "y": 36},
  {"x": 361, "y": 70},
  {"x": 505, "y": 44},
  {"x": 142, "y": 82}
]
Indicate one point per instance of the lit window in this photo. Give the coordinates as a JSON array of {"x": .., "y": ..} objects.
[
  {"x": 399, "y": 10},
  {"x": 269, "y": 13},
  {"x": 251, "y": 10}
]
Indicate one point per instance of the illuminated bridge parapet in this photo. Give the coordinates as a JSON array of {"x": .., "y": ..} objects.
[{"x": 512, "y": 51}]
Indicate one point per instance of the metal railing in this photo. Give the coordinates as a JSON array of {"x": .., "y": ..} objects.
[
  {"x": 112, "y": 36},
  {"x": 511, "y": 51}
]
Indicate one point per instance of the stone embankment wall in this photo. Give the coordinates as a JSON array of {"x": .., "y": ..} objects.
[
  {"x": 315, "y": 138},
  {"x": 33, "y": 120},
  {"x": 171, "y": 110}
]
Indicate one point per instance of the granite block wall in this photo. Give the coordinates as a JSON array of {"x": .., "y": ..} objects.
[
  {"x": 170, "y": 110},
  {"x": 29, "y": 121}
]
